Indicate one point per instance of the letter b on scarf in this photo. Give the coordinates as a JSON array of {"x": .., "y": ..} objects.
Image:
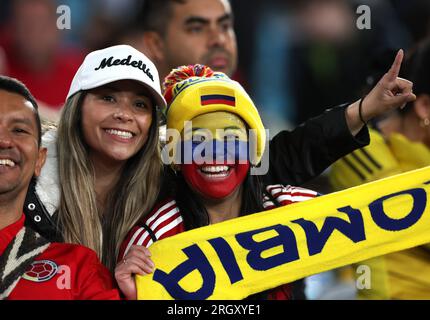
[
  {"x": 285, "y": 238},
  {"x": 196, "y": 261}
]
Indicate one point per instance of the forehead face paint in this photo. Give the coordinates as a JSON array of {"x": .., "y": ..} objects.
[
  {"x": 218, "y": 123},
  {"x": 217, "y": 137},
  {"x": 217, "y": 179}
]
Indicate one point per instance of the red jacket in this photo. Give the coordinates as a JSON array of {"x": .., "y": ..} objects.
[{"x": 61, "y": 272}]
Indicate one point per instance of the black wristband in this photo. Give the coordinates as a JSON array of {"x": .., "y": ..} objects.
[{"x": 359, "y": 111}]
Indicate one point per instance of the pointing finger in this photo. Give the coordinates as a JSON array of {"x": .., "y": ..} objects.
[{"x": 393, "y": 73}]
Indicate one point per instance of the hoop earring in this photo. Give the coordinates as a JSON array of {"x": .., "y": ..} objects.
[{"x": 425, "y": 123}]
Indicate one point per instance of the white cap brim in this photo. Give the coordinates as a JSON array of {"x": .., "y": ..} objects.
[{"x": 103, "y": 66}]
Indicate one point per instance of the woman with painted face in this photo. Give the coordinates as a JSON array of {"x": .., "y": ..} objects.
[
  {"x": 226, "y": 138},
  {"x": 105, "y": 153}
]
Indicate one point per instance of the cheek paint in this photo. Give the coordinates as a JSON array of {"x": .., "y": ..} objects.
[{"x": 215, "y": 185}]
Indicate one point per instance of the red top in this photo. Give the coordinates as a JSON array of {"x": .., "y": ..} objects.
[{"x": 61, "y": 272}]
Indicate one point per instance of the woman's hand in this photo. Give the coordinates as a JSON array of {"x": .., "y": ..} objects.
[
  {"x": 137, "y": 261},
  {"x": 391, "y": 92}
]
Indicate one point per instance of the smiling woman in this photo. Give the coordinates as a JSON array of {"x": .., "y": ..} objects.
[
  {"x": 116, "y": 119},
  {"x": 223, "y": 177},
  {"x": 108, "y": 150}
]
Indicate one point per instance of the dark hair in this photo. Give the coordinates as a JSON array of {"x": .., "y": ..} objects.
[
  {"x": 419, "y": 69},
  {"x": 416, "y": 69},
  {"x": 155, "y": 14},
  {"x": 15, "y": 86},
  {"x": 194, "y": 212}
]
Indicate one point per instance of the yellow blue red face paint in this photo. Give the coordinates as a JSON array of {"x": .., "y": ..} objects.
[
  {"x": 214, "y": 153},
  {"x": 216, "y": 137}
]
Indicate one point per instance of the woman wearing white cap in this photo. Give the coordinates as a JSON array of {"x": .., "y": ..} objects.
[{"x": 105, "y": 153}]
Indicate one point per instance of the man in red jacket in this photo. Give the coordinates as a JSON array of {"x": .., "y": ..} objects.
[{"x": 30, "y": 266}]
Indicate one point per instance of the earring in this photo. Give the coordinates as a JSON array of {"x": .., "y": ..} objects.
[
  {"x": 425, "y": 123},
  {"x": 175, "y": 168}
]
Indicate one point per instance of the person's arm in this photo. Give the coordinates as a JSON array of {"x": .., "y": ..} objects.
[
  {"x": 92, "y": 280},
  {"x": 300, "y": 155},
  {"x": 297, "y": 156}
]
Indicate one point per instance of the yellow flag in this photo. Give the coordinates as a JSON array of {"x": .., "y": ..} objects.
[{"x": 247, "y": 255}]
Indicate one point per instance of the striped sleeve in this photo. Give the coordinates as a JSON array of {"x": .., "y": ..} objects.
[
  {"x": 285, "y": 195},
  {"x": 165, "y": 221}
]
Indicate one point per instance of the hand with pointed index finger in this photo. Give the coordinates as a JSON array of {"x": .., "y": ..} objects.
[{"x": 391, "y": 92}]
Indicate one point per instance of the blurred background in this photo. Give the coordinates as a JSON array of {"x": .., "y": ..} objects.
[{"x": 296, "y": 57}]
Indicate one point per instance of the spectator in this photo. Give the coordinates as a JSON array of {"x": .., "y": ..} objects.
[
  {"x": 23, "y": 252},
  {"x": 31, "y": 41}
]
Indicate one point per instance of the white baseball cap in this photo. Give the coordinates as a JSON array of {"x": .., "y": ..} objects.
[{"x": 121, "y": 62}]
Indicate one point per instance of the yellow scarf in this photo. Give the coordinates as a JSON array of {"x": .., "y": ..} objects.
[{"x": 251, "y": 254}]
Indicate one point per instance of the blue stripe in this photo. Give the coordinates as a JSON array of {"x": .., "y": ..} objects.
[
  {"x": 218, "y": 97},
  {"x": 212, "y": 150}
]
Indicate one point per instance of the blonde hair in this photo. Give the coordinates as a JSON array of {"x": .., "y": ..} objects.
[{"x": 132, "y": 197}]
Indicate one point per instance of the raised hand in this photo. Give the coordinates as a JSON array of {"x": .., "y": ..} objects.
[{"x": 390, "y": 92}]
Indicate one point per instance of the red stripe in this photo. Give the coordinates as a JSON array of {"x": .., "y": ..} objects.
[
  {"x": 269, "y": 189},
  {"x": 285, "y": 202},
  {"x": 281, "y": 193},
  {"x": 145, "y": 242},
  {"x": 161, "y": 225},
  {"x": 302, "y": 194},
  {"x": 162, "y": 213},
  {"x": 292, "y": 190},
  {"x": 136, "y": 240},
  {"x": 218, "y": 101},
  {"x": 142, "y": 236},
  {"x": 294, "y": 194},
  {"x": 176, "y": 230},
  {"x": 165, "y": 223},
  {"x": 297, "y": 189},
  {"x": 156, "y": 208}
]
